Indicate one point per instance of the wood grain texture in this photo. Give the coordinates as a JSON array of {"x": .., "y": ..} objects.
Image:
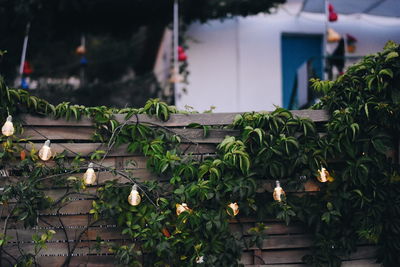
[
  {"x": 176, "y": 120},
  {"x": 87, "y": 261},
  {"x": 355, "y": 263},
  {"x": 53, "y": 133},
  {"x": 188, "y": 135},
  {"x": 86, "y": 149}
]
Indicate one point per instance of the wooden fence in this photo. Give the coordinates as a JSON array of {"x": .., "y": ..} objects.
[{"x": 285, "y": 246}]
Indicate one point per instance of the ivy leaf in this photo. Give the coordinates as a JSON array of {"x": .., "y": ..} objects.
[
  {"x": 391, "y": 55},
  {"x": 379, "y": 145},
  {"x": 180, "y": 190},
  {"x": 387, "y": 72}
]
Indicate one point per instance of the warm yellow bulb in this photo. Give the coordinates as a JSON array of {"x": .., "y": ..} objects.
[
  {"x": 324, "y": 176},
  {"x": 234, "y": 207},
  {"x": 278, "y": 192},
  {"x": 134, "y": 197},
  {"x": 89, "y": 177},
  {"x": 8, "y": 127},
  {"x": 45, "y": 151},
  {"x": 182, "y": 208}
]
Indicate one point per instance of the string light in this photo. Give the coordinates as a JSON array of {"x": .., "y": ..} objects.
[
  {"x": 200, "y": 259},
  {"x": 134, "y": 197},
  {"x": 8, "y": 127},
  {"x": 324, "y": 176},
  {"x": 182, "y": 208},
  {"x": 278, "y": 192},
  {"x": 90, "y": 176},
  {"x": 234, "y": 207},
  {"x": 45, "y": 152}
]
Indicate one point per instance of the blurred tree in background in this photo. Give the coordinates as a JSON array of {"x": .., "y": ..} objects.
[{"x": 122, "y": 40}]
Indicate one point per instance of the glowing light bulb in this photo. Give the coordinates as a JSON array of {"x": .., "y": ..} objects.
[
  {"x": 90, "y": 176},
  {"x": 8, "y": 127},
  {"x": 278, "y": 192},
  {"x": 182, "y": 208},
  {"x": 45, "y": 152},
  {"x": 324, "y": 176},
  {"x": 234, "y": 207},
  {"x": 200, "y": 259},
  {"x": 134, "y": 197}
]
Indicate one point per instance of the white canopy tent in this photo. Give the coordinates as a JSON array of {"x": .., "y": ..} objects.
[{"x": 386, "y": 8}]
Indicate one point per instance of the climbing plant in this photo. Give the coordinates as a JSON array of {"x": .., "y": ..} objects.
[{"x": 185, "y": 222}]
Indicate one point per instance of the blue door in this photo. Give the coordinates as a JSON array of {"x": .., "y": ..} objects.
[{"x": 297, "y": 50}]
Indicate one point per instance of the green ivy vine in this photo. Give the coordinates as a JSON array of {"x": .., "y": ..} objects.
[{"x": 359, "y": 204}]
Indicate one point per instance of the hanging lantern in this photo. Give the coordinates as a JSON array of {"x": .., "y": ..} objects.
[
  {"x": 90, "y": 176},
  {"x": 330, "y": 8},
  {"x": 333, "y": 16},
  {"x": 27, "y": 69},
  {"x": 278, "y": 192},
  {"x": 45, "y": 152},
  {"x": 182, "y": 56},
  {"x": 351, "y": 38},
  {"x": 351, "y": 43},
  {"x": 182, "y": 208},
  {"x": 235, "y": 209},
  {"x": 324, "y": 176},
  {"x": 134, "y": 197},
  {"x": 333, "y": 36},
  {"x": 8, "y": 127}
]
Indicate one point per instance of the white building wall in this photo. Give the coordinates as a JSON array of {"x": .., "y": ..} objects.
[{"x": 235, "y": 64}]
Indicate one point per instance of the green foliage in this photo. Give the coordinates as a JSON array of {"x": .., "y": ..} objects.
[
  {"x": 362, "y": 132},
  {"x": 360, "y": 204}
]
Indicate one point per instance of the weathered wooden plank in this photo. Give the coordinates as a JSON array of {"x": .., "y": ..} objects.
[
  {"x": 176, "y": 120},
  {"x": 295, "y": 256},
  {"x": 214, "y": 136},
  {"x": 363, "y": 252},
  {"x": 275, "y": 265},
  {"x": 71, "y": 207},
  {"x": 57, "y": 133},
  {"x": 88, "y": 261},
  {"x": 216, "y": 118},
  {"x": 286, "y": 242},
  {"x": 109, "y": 230},
  {"x": 37, "y": 120},
  {"x": 352, "y": 263},
  {"x": 57, "y": 248},
  {"x": 53, "y": 222},
  {"x": 37, "y": 133},
  {"x": 361, "y": 263},
  {"x": 71, "y": 233},
  {"x": 86, "y": 149},
  {"x": 140, "y": 175},
  {"x": 274, "y": 228},
  {"x": 283, "y": 256},
  {"x": 247, "y": 258}
]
